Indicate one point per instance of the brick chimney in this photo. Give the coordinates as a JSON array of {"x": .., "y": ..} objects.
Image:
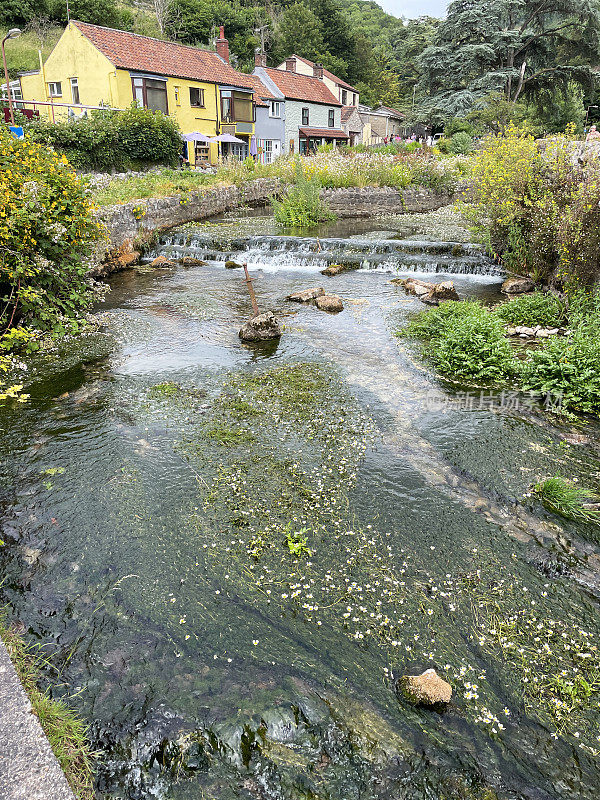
[
  {"x": 318, "y": 71},
  {"x": 290, "y": 64},
  {"x": 260, "y": 59},
  {"x": 222, "y": 45}
]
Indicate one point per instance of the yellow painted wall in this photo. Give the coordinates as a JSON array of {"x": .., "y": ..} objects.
[{"x": 99, "y": 82}]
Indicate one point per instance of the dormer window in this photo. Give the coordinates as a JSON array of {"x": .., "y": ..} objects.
[{"x": 344, "y": 97}]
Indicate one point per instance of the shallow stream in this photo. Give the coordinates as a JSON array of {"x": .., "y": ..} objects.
[{"x": 230, "y": 553}]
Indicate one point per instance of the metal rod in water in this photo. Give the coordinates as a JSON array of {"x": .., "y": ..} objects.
[{"x": 251, "y": 290}]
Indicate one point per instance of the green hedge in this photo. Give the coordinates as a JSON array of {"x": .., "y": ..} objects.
[{"x": 113, "y": 140}]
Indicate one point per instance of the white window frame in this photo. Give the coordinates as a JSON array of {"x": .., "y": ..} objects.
[
  {"x": 55, "y": 88},
  {"x": 74, "y": 83},
  {"x": 275, "y": 109}
]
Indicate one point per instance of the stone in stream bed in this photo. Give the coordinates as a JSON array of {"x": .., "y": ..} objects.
[
  {"x": 261, "y": 328},
  {"x": 190, "y": 261},
  {"x": 229, "y": 264},
  {"x": 161, "y": 261},
  {"x": 336, "y": 269},
  {"x": 431, "y": 293},
  {"x": 329, "y": 302},
  {"x": 427, "y": 689},
  {"x": 518, "y": 285},
  {"x": 306, "y": 296}
]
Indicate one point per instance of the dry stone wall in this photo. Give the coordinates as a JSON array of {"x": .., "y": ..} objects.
[{"x": 370, "y": 201}]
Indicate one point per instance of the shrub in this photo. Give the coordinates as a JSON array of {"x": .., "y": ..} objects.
[
  {"x": 461, "y": 143},
  {"x": 537, "y": 308},
  {"x": 465, "y": 341},
  {"x": 562, "y": 497},
  {"x": 568, "y": 367},
  {"x": 537, "y": 207},
  {"x": 113, "y": 140},
  {"x": 46, "y": 231},
  {"x": 302, "y": 206}
]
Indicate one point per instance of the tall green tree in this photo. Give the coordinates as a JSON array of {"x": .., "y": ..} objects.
[
  {"x": 299, "y": 31},
  {"x": 517, "y": 47}
]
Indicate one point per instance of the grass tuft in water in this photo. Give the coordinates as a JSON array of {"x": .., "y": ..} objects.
[
  {"x": 65, "y": 731},
  {"x": 572, "y": 502}
]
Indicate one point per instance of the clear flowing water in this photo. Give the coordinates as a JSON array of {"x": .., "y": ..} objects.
[{"x": 156, "y": 485}]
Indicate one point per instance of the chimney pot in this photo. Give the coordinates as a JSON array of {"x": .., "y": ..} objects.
[
  {"x": 222, "y": 45},
  {"x": 290, "y": 64},
  {"x": 318, "y": 71}
]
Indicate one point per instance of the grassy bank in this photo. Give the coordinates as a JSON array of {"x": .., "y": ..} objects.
[
  {"x": 330, "y": 170},
  {"x": 467, "y": 342},
  {"x": 65, "y": 731}
]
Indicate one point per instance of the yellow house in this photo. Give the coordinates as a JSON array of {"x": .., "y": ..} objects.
[{"x": 92, "y": 66}]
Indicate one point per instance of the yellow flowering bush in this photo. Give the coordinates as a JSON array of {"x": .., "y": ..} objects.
[
  {"x": 536, "y": 206},
  {"x": 46, "y": 231}
]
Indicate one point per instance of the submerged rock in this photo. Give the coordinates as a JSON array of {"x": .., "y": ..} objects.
[
  {"x": 233, "y": 265},
  {"x": 518, "y": 285},
  {"x": 330, "y": 302},
  {"x": 427, "y": 689},
  {"x": 306, "y": 296},
  {"x": 260, "y": 328},
  {"x": 190, "y": 261}
]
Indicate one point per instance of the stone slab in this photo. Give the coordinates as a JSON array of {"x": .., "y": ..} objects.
[{"x": 28, "y": 767}]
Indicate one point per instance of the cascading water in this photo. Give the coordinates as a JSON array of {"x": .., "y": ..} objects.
[{"x": 274, "y": 253}]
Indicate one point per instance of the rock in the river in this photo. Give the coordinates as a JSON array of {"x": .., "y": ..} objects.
[
  {"x": 336, "y": 269},
  {"x": 306, "y": 296},
  {"x": 190, "y": 261},
  {"x": 260, "y": 328},
  {"x": 329, "y": 302},
  {"x": 518, "y": 285},
  {"x": 233, "y": 265},
  {"x": 427, "y": 689},
  {"x": 431, "y": 293},
  {"x": 161, "y": 261}
]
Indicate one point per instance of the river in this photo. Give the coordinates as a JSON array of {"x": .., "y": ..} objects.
[{"x": 230, "y": 553}]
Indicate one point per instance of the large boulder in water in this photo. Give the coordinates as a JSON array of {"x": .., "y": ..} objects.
[
  {"x": 306, "y": 296},
  {"x": 431, "y": 293},
  {"x": 229, "y": 264},
  {"x": 261, "y": 328},
  {"x": 330, "y": 302},
  {"x": 190, "y": 261},
  {"x": 427, "y": 689},
  {"x": 518, "y": 285}
]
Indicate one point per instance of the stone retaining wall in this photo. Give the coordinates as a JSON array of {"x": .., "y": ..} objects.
[
  {"x": 369, "y": 201},
  {"x": 139, "y": 220},
  {"x": 132, "y": 224}
]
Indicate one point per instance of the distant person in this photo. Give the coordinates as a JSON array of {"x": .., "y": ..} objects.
[{"x": 593, "y": 134}]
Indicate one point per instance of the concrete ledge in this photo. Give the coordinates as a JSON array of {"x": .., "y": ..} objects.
[{"x": 28, "y": 767}]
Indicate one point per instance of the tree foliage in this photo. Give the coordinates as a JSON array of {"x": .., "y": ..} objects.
[{"x": 515, "y": 47}]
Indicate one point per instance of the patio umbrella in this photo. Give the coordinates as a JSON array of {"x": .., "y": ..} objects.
[
  {"x": 197, "y": 137},
  {"x": 253, "y": 147},
  {"x": 227, "y": 137}
]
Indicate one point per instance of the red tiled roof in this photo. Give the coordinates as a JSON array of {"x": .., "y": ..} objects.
[
  {"x": 330, "y": 75},
  {"x": 131, "y": 51},
  {"x": 301, "y": 87},
  {"x": 326, "y": 133}
]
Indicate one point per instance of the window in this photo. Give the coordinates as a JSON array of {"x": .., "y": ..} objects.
[
  {"x": 305, "y": 116},
  {"x": 55, "y": 89},
  {"x": 331, "y": 118},
  {"x": 344, "y": 97},
  {"x": 236, "y": 106},
  {"x": 196, "y": 97},
  {"x": 353, "y": 99},
  {"x": 275, "y": 109},
  {"x": 75, "y": 91},
  {"x": 150, "y": 93}
]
